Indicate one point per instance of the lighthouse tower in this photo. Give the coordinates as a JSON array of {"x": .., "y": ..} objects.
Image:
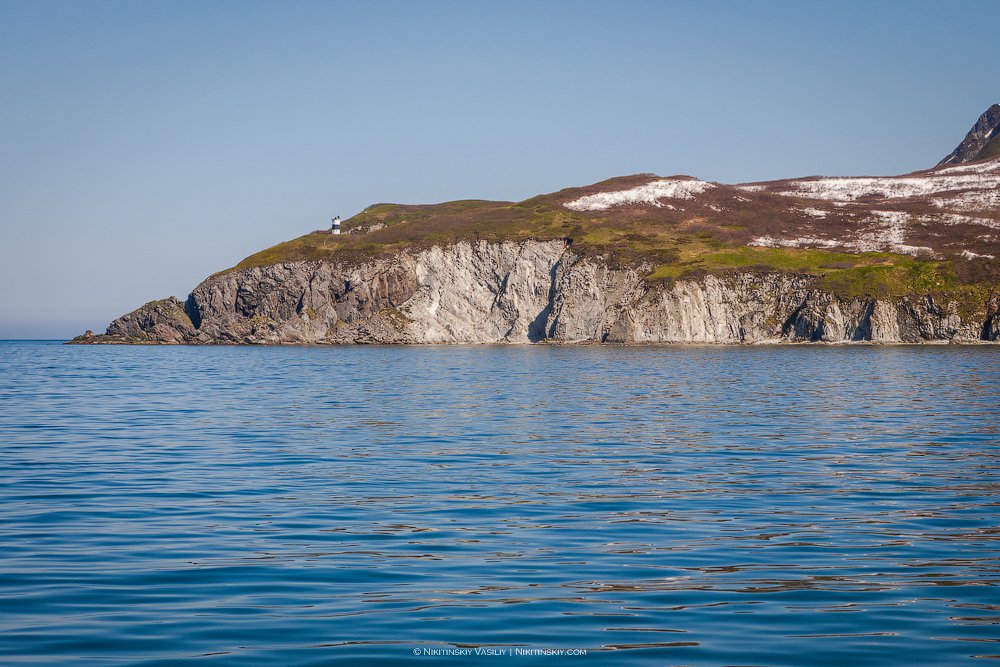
[{"x": 335, "y": 225}]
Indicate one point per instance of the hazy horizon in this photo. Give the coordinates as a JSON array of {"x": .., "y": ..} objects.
[{"x": 148, "y": 145}]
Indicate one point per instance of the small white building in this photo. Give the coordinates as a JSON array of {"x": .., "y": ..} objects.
[{"x": 335, "y": 225}]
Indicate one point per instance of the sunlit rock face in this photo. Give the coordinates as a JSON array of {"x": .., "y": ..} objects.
[{"x": 532, "y": 292}]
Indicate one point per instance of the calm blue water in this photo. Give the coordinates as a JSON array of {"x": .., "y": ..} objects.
[{"x": 694, "y": 506}]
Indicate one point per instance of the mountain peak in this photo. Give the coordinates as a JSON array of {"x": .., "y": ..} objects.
[{"x": 981, "y": 143}]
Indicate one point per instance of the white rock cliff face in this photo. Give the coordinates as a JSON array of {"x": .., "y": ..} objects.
[{"x": 532, "y": 291}]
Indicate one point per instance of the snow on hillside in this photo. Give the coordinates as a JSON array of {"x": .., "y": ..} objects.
[
  {"x": 843, "y": 219},
  {"x": 968, "y": 254},
  {"x": 979, "y": 182},
  {"x": 815, "y": 212},
  {"x": 970, "y": 201},
  {"x": 953, "y": 219},
  {"x": 886, "y": 232},
  {"x": 650, "y": 193},
  {"x": 974, "y": 168},
  {"x": 801, "y": 242}
]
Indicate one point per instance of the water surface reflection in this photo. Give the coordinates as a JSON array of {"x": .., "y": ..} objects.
[{"x": 653, "y": 506}]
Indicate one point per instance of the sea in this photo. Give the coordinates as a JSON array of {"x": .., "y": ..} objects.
[{"x": 524, "y": 505}]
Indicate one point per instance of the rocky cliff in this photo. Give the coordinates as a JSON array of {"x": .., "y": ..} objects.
[
  {"x": 982, "y": 141},
  {"x": 534, "y": 291}
]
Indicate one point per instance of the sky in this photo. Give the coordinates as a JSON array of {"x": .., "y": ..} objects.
[{"x": 146, "y": 145}]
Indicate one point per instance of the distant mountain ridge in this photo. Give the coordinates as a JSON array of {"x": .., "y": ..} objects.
[
  {"x": 633, "y": 259},
  {"x": 981, "y": 143}
]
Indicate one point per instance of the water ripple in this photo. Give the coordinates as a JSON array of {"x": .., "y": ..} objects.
[{"x": 651, "y": 506}]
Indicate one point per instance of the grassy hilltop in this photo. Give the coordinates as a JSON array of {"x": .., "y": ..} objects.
[{"x": 708, "y": 233}]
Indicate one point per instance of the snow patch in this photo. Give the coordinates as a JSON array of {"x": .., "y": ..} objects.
[
  {"x": 651, "y": 193},
  {"x": 887, "y": 233},
  {"x": 970, "y": 201},
  {"x": 983, "y": 187},
  {"x": 968, "y": 254},
  {"x": 815, "y": 212},
  {"x": 954, "y": 219},
  {"x": 771, "y": 242},
  {"x": 976, "y": 168}
]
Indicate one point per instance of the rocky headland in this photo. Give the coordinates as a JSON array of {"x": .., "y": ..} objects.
[{"x": 637, "y": 259}]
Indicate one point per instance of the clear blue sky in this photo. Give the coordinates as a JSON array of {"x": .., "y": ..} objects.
[{"x": 145, "y": 145}]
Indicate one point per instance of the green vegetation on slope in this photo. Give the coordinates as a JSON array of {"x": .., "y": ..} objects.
[
  {"x": 851, "y": 274},
  {"x": 402, "y": 226}
]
